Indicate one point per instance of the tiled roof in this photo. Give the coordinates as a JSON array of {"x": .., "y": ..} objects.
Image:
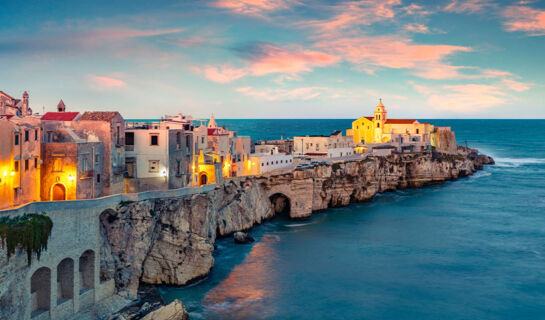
[
  {"x": 60, "y": 116},
  {"x": 99, "y": 115},
  {"x": 7, "y": 95},
  {"x": 400, "y": 121}
]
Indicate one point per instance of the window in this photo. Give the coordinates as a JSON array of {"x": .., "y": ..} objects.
[
  {"x": 16, "y": 166},
  {"x": 98, "y": 178},
  {"x": 153, "y": 166},
  {"x": 97, "y": 159},
  {"x": 417, "y": 131},
  {"x": 187, "y": 142},
  {"x": 84, "y": 164},
  {"x": 36, "y": 134},
  {"x": 16, "y": 141},
  {"x": 178, "y": 139},
  {"x": 154, "y": 139},
  {"x": 117, "y": 136},
  {"x": 129, "y": 138},
  {"x": 26, "y": 164},
  {"x": 36, "y": 163},
  {"x": 378, "y": 125},
  {"x": 178, "y": 167},
  {"x": 57, "y": 165},
  {"x": 202, "y": 140},
  {"x": 27, "y": 134}
]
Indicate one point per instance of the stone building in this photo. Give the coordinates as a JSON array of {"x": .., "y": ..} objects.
[
  {"x": 381, "y": 129},
  {"x": 20, "y": 160},
  {"x": 332, "y": 146},
  {"x": 269, "y": 160},
  {"x": 14, "y": 107},
  {"x": 159, "y": 154},
  {"x": 98, "y": 139}
]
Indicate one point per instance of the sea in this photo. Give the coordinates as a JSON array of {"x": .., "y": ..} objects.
[{"x": 467, "y": 249}]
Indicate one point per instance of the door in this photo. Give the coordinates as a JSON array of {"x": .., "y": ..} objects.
[{"x": 58, "y": 192}]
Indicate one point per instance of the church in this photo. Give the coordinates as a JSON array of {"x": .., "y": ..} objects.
[{"x": 381, "y": 129}]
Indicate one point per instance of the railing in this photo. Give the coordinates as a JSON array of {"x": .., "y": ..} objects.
[{"x": 129, "y": 147}]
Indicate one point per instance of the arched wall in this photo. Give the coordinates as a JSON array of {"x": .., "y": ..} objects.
[{"x": 40, "y": 290}]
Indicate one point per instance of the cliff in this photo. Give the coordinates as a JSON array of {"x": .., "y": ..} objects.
[{"x": 171, "y": 241}]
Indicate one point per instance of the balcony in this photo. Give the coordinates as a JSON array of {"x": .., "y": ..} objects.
[{"x": 129, "y": 147}]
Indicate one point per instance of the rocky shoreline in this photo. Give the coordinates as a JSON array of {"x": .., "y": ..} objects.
[{"x": 171, "y": 241}]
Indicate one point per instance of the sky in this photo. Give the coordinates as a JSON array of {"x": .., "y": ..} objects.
[{"x": 278, "y": 58}]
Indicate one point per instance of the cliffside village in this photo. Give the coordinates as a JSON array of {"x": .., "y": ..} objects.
[{"x": 67, "y": 155}]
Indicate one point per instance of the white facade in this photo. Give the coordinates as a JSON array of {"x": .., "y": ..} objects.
[
  {"x": 332, "y": 146},
  {"x": 272, "y": 160},
  {"x": 150, "y": 151}
]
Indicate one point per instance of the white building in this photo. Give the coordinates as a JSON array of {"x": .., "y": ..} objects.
[
  {"x": 272, "y": 160},
  {"x": 159, "y": 155},
  {"x": 333, "y": 146}
]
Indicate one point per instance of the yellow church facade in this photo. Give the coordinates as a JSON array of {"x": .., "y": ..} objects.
[{"x": 380, "y": 129}]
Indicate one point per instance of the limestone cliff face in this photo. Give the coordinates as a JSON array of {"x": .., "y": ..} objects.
[{"x": 170, "y": 241}]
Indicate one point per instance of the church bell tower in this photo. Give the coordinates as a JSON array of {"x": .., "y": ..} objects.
[{"x": 378, "y": 121}]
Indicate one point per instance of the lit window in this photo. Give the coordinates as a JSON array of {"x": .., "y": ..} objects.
[{"x": 57, "y": 164}]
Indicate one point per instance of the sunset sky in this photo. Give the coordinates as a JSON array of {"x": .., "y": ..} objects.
[{"x": 278, "y": 58}]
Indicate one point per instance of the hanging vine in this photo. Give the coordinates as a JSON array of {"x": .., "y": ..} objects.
[{"x": 31, "y": 231}]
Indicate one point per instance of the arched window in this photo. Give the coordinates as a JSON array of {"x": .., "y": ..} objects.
[{"x": 378, "y": 125}]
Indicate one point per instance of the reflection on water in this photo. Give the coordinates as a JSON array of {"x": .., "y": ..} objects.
[{"x": 248, "y": 290}]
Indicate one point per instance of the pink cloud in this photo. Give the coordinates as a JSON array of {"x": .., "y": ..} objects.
[
  {"x": 305, "y": 93},
  {"x": 470, "y": 98},
  {"x": 354, "y": 13},
  {"x": 417, "y": 28},
  {"x": 370, "y": 53},
  {"x": 224, "y": 74},
  {"x": 415, "y": 9},
  {"x": 106, "y": 82},
  {"x": 272, "y": 59},
  {"x": 516, "y": 85},
  {"x": 525, "y": 19},
  {"x": 468, "y": 6},
  {"x": 254, "y": 7}
]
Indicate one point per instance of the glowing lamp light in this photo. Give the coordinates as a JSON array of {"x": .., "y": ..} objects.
[
  {"x": 12, "y": 173},
  {"x": 163, "y": 173},
  {"x": 71, "y": 178}
]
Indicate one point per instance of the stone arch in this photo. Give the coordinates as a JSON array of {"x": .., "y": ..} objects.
[
  {"x": 40, "y": 290},
  {"x": 87, "y": 270},
  {"x": 203, "y": 178},
  {"x": 65, "y": 280},
  {"x": 58, "y": 192},
  {"x": 281, "y": 203}
]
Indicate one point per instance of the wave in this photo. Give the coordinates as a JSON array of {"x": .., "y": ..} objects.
[
  {"x": 517, "y": 162},
  {"x": 294, "y": 225}
]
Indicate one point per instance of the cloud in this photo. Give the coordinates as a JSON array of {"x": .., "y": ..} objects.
[
  {"x": 417, "y": 28},
  {"x": 224, "y": 73},
  {"x": 79, "y": 41},
  {"x": 516, "y": 85},
  {"x": 468, "y": 6},
  {"x": 371, "y": 53},
  {"x": 264, "y": 59},
  {"x": 415, "y": 9},
  {"x": 269, "y": 94},
  {"x": 470, "y": 98},
  {"x": 525, "y": 19},
  {"x": 256, "y": 8},
  {"x": 101, "y": 82},
  {"x": 354, "y": 13}
]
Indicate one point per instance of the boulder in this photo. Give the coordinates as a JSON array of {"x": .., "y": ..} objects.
[
  {"x": 172, "y": 311},
  {"x": 242, "y": 238}
]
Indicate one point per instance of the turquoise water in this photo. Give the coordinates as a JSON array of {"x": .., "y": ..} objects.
[{"x": 469, "y": 249}]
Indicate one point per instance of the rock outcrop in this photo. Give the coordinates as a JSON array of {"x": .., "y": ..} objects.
[
  {"x": 171, "y": 241},
  {"x": 172, "y": 311}
]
